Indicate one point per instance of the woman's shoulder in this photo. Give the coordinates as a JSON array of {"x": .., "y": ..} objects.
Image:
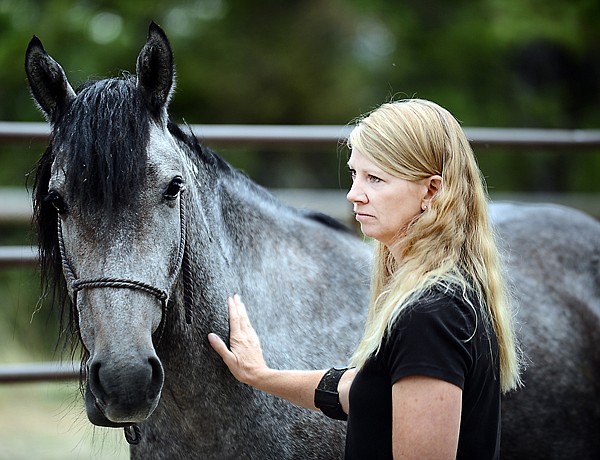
[
  {"x": 442, "y": 294},
  {"x": 434, "y": 334},
  {"x": 445, "y": 306}
]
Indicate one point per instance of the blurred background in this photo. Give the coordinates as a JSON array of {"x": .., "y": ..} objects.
[{"x": 492, "y": 63}]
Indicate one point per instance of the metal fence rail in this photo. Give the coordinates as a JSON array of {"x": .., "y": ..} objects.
[
  {"x": 328, "y": 135},
  {"x": 12, "y": 256},
  {"x": 39, "y": 372}
]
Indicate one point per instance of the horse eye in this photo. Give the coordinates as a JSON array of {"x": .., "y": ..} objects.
[
  {"x": 56, "y": 201},
  {"x": 174, "y": 188}
]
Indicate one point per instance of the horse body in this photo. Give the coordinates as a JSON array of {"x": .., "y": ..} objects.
[
  {"x": 553, "y": 262},
  {"x": 158, "y": 230}
]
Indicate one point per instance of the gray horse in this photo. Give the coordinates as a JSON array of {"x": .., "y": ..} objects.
[
  {"x": 553, "y": 262},
  {"x": 143, "y": 233}
]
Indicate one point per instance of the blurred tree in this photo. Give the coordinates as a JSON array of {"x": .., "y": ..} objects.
[{"x": 326, "y": 61}]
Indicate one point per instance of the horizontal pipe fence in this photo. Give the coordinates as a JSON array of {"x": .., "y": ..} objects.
[
  {"x": 36, "y": 372},
  {"x": 329, "y": 136}
]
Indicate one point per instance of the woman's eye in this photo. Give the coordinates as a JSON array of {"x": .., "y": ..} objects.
[
  {"x": 174, "y": 188},
  {"x": 374, "y": 179},
  {"x": 56, "y": 201},
  {"x": 352, "y": 174}
]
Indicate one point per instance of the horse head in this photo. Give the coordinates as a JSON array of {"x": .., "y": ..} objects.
[{"x": 110, "y": 210}]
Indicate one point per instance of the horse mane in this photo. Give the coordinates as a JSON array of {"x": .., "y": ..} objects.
[
  {"x": 53, "y": 284},
  {"x": 328, "y": 221},
  {"x": 208, "y": 157}
]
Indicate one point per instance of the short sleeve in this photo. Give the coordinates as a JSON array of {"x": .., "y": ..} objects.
[{"x": 432, "y": 339}]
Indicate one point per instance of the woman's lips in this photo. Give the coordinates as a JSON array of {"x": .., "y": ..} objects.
[{"x": 359, "y": 216}]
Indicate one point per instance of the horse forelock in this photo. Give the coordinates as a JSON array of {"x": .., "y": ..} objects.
[{"x": 100, "y": 142}]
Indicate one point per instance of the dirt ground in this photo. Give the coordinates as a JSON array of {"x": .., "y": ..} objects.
[{"x": 46, "y": 421}]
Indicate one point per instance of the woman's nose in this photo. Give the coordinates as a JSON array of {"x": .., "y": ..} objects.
[{"x": 356, "y": 194}]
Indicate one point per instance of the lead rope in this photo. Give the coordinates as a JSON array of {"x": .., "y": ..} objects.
[
  {"x": 132, "y": 432},
  {"x": 183, "y": 263}
]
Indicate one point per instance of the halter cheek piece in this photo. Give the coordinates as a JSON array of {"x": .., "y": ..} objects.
[{"x": 132, "y": 432}]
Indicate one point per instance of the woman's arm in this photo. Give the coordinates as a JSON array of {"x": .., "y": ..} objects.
[
  {"x": 344, "y": 389},
  {"x": 426, "y": 418},
  {"x": 245, "y": 360}
]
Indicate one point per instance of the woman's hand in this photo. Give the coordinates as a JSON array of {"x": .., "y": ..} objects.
[{"x": 244, "y": 358}]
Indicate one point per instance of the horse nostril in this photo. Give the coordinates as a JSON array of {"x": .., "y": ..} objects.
[
  {"x": 94, "y": 380},
  {"x": 157, "y": 379}
]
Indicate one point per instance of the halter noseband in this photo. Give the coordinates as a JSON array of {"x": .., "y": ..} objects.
[{"x": 132, "y": 432}]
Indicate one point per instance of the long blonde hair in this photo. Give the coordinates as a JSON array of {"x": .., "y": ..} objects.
[{"x": 452, "y": 242}]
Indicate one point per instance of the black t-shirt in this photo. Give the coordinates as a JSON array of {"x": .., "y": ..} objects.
[{"x": 440, "y": 337}]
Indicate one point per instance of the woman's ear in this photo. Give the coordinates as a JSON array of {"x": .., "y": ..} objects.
[{"x": 433, "y": 184}]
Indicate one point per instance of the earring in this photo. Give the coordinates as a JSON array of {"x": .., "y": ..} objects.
[{"x": 424, "y": 207}]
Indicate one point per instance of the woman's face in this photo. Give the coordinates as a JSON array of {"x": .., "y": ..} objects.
[{"x": 383, "y": 204}]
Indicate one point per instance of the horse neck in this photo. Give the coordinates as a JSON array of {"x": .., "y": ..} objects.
[
  {"x": 231, "y": 209},
  {"x": 215, "y": 231},
  {"x": 225, "y": 213}
]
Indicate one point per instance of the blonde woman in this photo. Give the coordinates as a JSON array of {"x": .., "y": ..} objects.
[{"x": 438, "y": 347}]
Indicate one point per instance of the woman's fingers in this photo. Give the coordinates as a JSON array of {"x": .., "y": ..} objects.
[
  {"x": 218, "y": 345},
  {"x": 242, "y": 313},
  {"x": 234, "y": 317},
  {"x": 244, "y": 356},
  {"x": 229, "y": 358}
]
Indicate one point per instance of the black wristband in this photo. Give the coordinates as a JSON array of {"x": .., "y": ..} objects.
[{"x": 327, "y": 397}]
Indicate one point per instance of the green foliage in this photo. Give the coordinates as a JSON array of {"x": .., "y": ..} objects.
[
  {"x": 315, "y": 61},
  {"x": 25, "y": 327}
]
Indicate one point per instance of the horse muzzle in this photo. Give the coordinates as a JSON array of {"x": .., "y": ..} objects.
[{"x": 117, "y": 396}]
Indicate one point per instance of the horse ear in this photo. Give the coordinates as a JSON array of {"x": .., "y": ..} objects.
[
  {"x": 47, "y": 80},
  {"x": 156, "y": 71}
]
